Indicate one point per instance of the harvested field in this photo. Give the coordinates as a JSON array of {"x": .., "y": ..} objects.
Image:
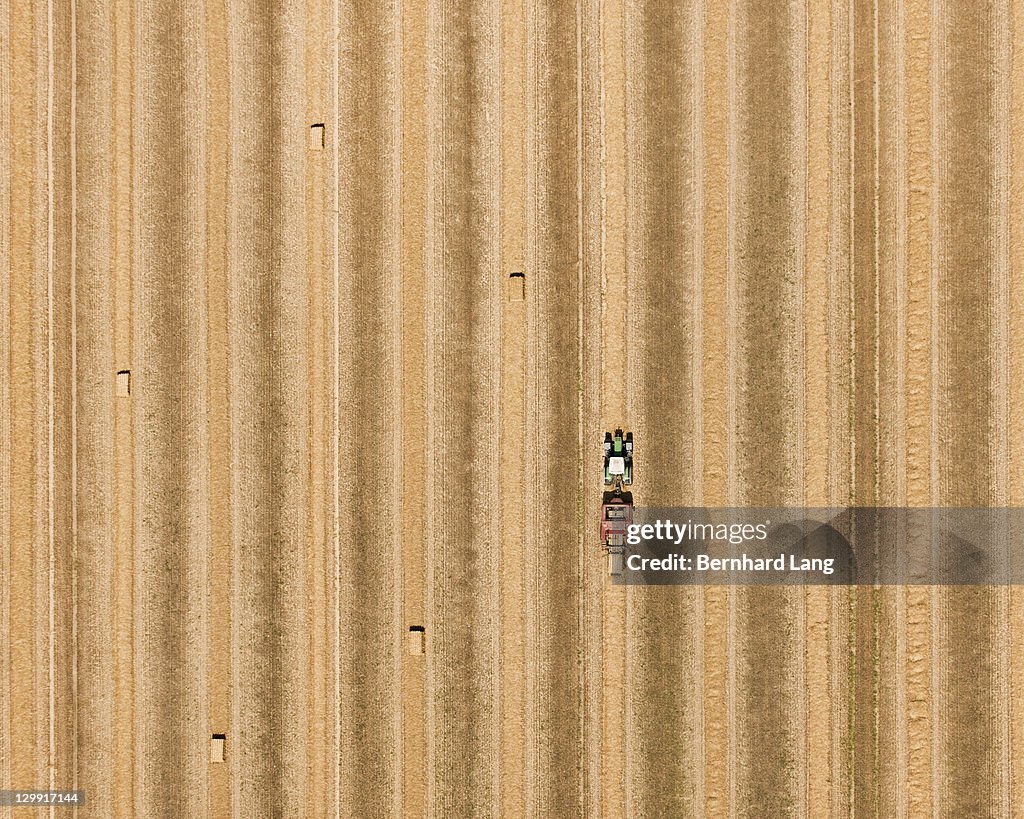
[{"x": 782, "y": 243}]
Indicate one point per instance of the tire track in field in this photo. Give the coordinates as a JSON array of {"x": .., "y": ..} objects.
[
  {"x": 169, "y": 404},
  {"x": 268, "y": 371},
  {"x": 765, "y": 265},
  {"x": 463, "y": 303},
  {"x": 370, "y": 432},
  {"x": 664, "y": 720}
]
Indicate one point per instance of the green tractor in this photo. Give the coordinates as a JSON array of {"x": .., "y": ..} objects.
[{"x": 618, "y": 457}]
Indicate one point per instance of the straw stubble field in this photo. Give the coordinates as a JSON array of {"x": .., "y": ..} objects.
[{"x": 780, "y": 242}]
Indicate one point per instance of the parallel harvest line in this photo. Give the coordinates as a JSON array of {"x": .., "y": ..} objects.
[
  {"x": 587, "y": 789},
  {"x": 1002, "y": 352},
  {"x": 864, "y": 395},
  {"x": 27, "y": 572},
  {"x": 1016, "y": 390},
  {"x": 433, "y": 262},
  {"x": 591, "y": 338},
  {"x": 287, "y": 541},
  {"x": 614, "y": 91},
  {"x": 199, "y": 380},
  {"x": 713, "y": 105},
  {"x": 253, "y": 302},
  {"x": 511, "y": 656},
  {"x": 317, "y": 566},
  {"x": 839, "y": 320},
  {"x": 462, "y": 445},
  {"x": 335, "y": 245},
  {"x": 696, "y": 488},
  {"x": 5, "y": 397},
  {"x": 411, "y": 54},
  {"x": 73, "y": 276},
  {"x": 664, "y": 708},
  {"x": 968, "y": 450},
  {"x": 171, "y": 415},
  {"x": 818, "y": 647},
  {"x": 767, "y": 270},
  {"x": 219, "y": 623},
  {"x": 914, "y": 778},
  {"x": 135, "y": 659},
  {"x": 123, "y": 559},
  {"x": 96, "y": 447},
  {"x": 50, "y": 648},
  {"x": 729, "y": 443},
  {"x": 393, "y": 328},
  {"x": 370, "y": 495},
  {"x": 937, "y": 121},
  {"x": 899, "y": 763},
  {"x": 531, "y": 572},
  {"x": 798, "y": 72},
  {"x": 63, "y": 719},
  {"x": 556, "y": 243},
  {"x": 400, "y": 442}
]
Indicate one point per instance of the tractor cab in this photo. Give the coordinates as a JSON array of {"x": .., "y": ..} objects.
[{"x": 618, "y": 457}]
